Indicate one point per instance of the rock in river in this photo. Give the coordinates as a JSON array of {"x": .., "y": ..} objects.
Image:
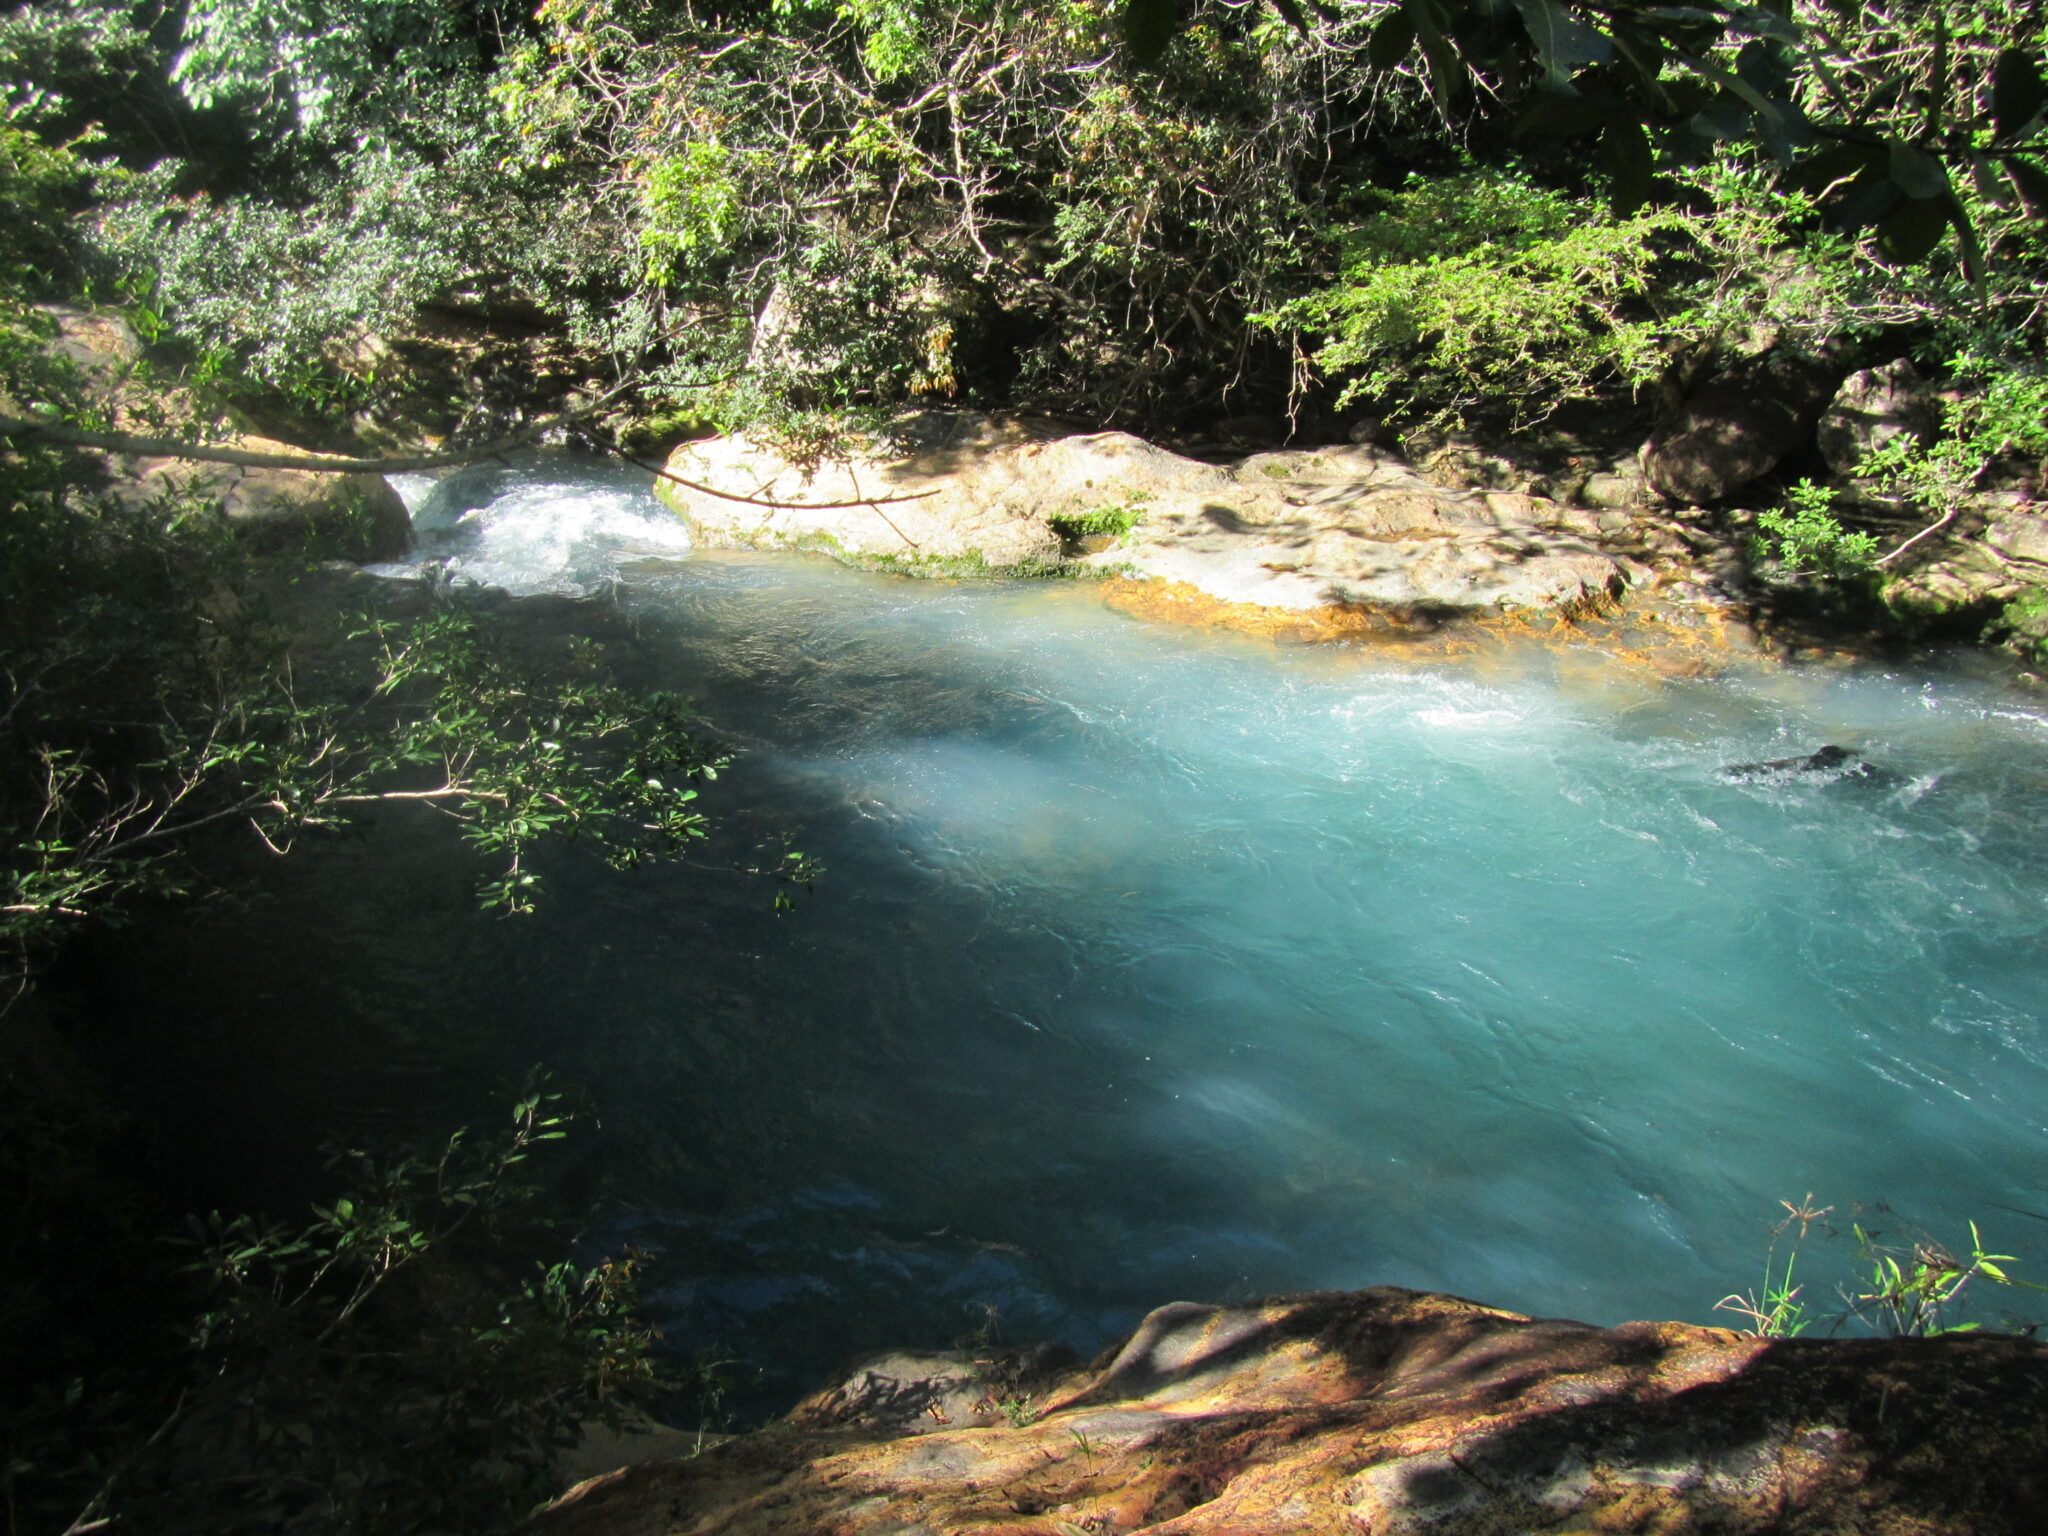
[{"x": 1342, "y": 526}]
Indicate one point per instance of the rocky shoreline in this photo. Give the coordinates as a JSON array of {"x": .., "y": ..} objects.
[
  {"x": 1338, "y": 542},
  {"x": 1344, "y": 541},
  {"x": 1373, "y": 1413}
]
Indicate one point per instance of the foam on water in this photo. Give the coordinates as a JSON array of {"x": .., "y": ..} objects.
[
  {"x": 518, "y": 528},
  {"x": 1157, "y": 964}
]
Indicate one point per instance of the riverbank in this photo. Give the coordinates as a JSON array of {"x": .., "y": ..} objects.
[
  {"x": 1150, "y": 962},
  {"x": 1377, "y": 1412},
  {"x": 1342, "y": 542}
]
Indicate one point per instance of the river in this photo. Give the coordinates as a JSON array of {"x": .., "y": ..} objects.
[{"x": 1158, "y": 964}]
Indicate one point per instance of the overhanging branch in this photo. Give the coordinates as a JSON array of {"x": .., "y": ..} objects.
[{"x": 324, "y": 463}]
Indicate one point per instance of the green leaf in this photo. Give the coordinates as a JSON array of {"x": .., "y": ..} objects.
[
  {"x": 1985, "y": 180},
  {"x": 1446, "y": 69},
  {"x": 1911, "y": 231},
  {"x": 1643, "y": 53},
  {"x": 1563, "y": 44},
  {"x": 1869, "y": 197},
  {"x": 1765, "y": 65},
  {"x": 1725, "y": 117},
  {"x": 2017, "y": 94},
  {"x": 1969, "y": 245},
  {"x": 1392, "y": 38},
  {"x": 1917, "y": 173},
  {"x": 2031, "y": 182},
  {"x": 1764, "y": 106}
]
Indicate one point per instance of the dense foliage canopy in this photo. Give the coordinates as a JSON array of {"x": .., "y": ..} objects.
[{"x": 1144, "y": 214}]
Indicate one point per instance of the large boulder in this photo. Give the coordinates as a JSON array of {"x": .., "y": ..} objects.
[
  {"x": 1874, "y": 406},
  {"x": 1738, "y": 427},
  {"x": 1304, "y": 530},
  {"x": 348, "y": 516},
  {"x": 1374, "y": 1413},
  {"x": 320, "y": 512}
]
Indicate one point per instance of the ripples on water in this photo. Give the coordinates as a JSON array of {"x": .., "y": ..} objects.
[{"x": 1157, "y": 964}]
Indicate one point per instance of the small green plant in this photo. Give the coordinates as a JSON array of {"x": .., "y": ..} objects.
[
  {"x": 1018, "y": 1410},
  {"x": 1113, "y": 520},
  {"x": 1900, "y": 1291},
  {"x": 1912, "y": 1291},
  {"x": 1775, "y": 1310},
  {"x": 796, "y": 869},
  {"x": 1806, "y": 536}
]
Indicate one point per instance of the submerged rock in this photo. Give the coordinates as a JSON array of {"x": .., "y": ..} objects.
[
  {"x": 1334, "y": 527},
  {"x": 1380, "y": 1411},
  {"x": 1830, "y": 763}
]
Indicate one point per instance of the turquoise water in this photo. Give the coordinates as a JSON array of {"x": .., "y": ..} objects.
[{"x": 1156, "y": 964}]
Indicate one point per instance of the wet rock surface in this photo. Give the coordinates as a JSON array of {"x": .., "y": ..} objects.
[{"x": 1380, "y": 1411}]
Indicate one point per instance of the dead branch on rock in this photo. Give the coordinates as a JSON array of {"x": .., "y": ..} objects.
[
  {"x": 1934, "y": 527},
  {"x": 780, "y": 506}
]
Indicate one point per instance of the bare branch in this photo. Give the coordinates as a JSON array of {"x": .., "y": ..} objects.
[
  {"x": 333, "y": 464},
  {"x": 1934, "y": 527},
  {"x": 780, "y": 506}
]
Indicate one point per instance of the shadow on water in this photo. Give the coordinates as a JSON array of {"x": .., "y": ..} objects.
[{"x": 1152, "y": 964}]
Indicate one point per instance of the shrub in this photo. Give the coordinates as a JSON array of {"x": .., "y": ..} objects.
[
  {"x": 1479, "y": 289},
  {"x": 1805, "y": 536},
  {"x": 1114, "y": 520}
]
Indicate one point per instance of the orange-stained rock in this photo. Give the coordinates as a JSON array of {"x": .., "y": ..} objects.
[
  {"x": 1295, "y": 532},
  {"x": 1374, "y": 1413}
]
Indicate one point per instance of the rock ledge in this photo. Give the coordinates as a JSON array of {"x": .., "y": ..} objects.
[
  {"x": 1338, "y": 527},
  {"x": 1380, "y": 1411}
]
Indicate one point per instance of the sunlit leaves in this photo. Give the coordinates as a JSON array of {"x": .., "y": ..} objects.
[
  {"x": 1483, "y": 288},
  {"x": 692, "y": 208},
  {"x": 307, "y": 58}
]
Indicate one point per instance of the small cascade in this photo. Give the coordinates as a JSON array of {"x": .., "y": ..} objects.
[{"x": 517, "y": 526}]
